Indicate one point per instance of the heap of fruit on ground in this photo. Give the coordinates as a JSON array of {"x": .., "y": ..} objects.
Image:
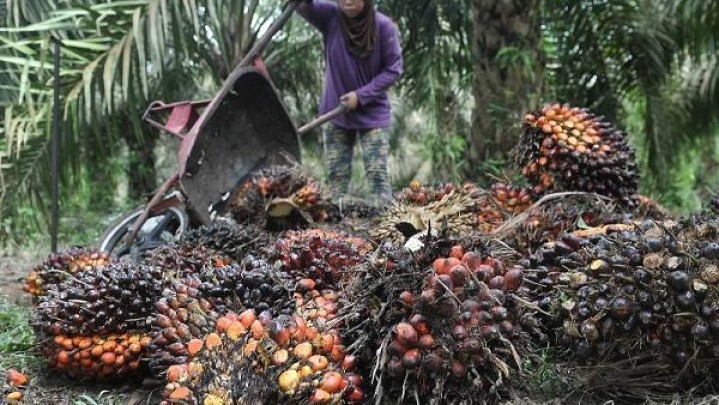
[{"x": 440, "y": 297}]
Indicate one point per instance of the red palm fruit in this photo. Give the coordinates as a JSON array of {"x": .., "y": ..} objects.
[
  {"x": 456, "y": 252},
  {"x": 412, "y": 359},
  {"x": 514, "y": 278},
  {"x": 406, "y": 334},
  {"x": 471, "y": 260}
]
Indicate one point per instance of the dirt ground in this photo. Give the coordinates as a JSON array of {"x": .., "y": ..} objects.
[{"x": 13, "y": 270}]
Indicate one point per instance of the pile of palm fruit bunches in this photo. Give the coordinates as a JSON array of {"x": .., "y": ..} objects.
[{"x": 293, "y": 298}]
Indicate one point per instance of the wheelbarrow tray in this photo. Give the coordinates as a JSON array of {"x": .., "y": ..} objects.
[{"x": 245, "y": 128}]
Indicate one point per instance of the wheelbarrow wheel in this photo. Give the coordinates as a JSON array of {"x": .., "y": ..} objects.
[{"x": 160, "y": 229}]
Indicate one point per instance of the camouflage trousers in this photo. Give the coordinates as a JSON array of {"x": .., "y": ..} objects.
[{"x": 339, "y": 144}]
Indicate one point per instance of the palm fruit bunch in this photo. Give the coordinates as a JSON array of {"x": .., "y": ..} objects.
[
  {"x": 419, "y": 194},
  {"x": 58, "y": 265},
  {"x": 646, "y": 207},
  {"x": 180, "y": 315},
  {"x": 438, "y": 325},
  {"x": 456, "y": 338},
  {"x": 14, "y": 390},
  {"x": 550, "y": 219},
  {"x": 565, "y": 148},
  {"x": 232, "y": 240},
  {"x": 321, "y": 256},
  {"x": 107, "y": 357},
  {"x": 112, "y": 299},
  {"x": 502, "y": 201},
  {"x": 190, "y": 307},
  {"x": 261, "y": 358},
  {"x": 647, "y": 291},
  {"x": 280, "y": 197},
  {"x": 92, "y": 324},
  {"x": 185, "y": 259},
  {"x": 449, "y": 208},
  {"x": 255, "y": 284}
]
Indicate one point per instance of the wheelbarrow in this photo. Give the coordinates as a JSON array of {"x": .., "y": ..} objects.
[{"x": 245, "y": 127}]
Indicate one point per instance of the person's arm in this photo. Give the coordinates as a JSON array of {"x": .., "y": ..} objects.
[
  {"x": 317, "y": 13},
  {"x": 391, "y": 67}
]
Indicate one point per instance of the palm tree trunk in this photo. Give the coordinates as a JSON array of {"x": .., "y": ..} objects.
[{"x": 505, "y": 86}]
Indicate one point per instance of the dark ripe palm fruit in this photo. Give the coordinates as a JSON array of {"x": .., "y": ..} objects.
[
  {"x": 185, "y": 259},
  {"x": 513, "y": 278},
  {"x": 111, "y": 299},
  {"x": 679, "y": 280},
  {"x": 317, "y": 254},
  {"x": 55, "y": 268},
  {"x": 228, "y": 239},
  {"x": 575, "y": 151},
  {"x": 658, "y": 300}
]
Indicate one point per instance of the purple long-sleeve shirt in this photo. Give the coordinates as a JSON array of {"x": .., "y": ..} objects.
[{"x": 371, "y": 77}]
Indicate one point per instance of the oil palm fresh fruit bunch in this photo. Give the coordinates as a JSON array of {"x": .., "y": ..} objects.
[
  {"x": 191, "y": 306},
  {"x": 112, "y": 299},
  {"x": 438, "y": 324},
  {"x": 254, "y": 284},
  {"x": 501, "y": 202},
  {"x": 181, "y": 315},
  {"x": 105, "y": 357},
  {"x": 59, "y": 265},
  {"x": 419, "y": 194},
  {"x": 564, "y": 148},
  {"x": 319, "y": 255},
  {"x": 639, "y": 291},
  {"x": 450, "y": 209},
  {"x": 259, "y": 357},
  {"x": 229, "y": 239},
  {"x": 455, "y": 341},
  {"x": 185, "y": 258},
  {"x": 280, "y": 197},
  {"x": 92, "y": 324}
]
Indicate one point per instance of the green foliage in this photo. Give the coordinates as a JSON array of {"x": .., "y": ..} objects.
[
  {"x": 545, "y": 379},
  {"x": 16, "y": 337},
  {"x": 446, "y": 152},
  {"x": 655, "y": 73}
]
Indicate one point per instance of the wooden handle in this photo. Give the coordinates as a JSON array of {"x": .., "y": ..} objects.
[{"x": 339, "y": 110}]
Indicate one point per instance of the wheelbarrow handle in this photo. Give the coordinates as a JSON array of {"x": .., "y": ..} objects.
[
  {"x": 329, "y": 116},
  {"x": 276, "y": 26},
  {"x": 182, "y": 115}
]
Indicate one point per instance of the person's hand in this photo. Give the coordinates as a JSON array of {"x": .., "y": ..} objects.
[{"x": 351, "y": 100}]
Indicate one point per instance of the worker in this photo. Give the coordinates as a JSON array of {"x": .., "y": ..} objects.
[{"x": 363, "y": 59}]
